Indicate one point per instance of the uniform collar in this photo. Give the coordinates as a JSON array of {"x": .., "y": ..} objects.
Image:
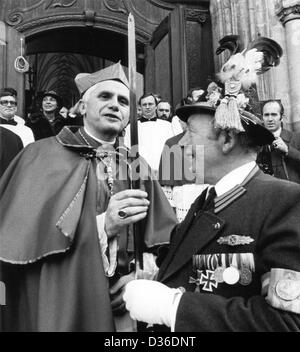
[{"x": 234, "y": 178}]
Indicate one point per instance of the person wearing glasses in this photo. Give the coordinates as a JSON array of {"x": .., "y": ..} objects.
[{"x": 9, "y": 119}]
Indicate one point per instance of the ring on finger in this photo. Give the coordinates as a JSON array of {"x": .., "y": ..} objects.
[{"x": 122, "y": 214}]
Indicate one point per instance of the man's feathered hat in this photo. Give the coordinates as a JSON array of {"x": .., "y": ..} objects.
[{"x": 237, "y": 75}]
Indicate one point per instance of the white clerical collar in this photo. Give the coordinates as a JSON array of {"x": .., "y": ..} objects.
[
  {"x": 234, "y": 178},
  {"x": 99, "y": 140},
  {"x": 277, "y": 133}
]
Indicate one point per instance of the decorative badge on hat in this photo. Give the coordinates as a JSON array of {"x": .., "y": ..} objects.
[{"x": 239, "y": 73}]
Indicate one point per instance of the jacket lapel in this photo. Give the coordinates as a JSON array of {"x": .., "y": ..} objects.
[
  {"x": 188, "y": 242},
  {"x": 206, "y": 226},
  {"x": 286, "y": 136}
]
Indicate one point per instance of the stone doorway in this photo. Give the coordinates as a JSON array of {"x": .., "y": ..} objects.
[{"x": 56, "y": 56}]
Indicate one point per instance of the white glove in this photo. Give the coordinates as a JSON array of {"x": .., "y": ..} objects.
[{"x": 151, "y": 302}]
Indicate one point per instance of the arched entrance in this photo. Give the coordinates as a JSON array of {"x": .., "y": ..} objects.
[
  {"x": 63, "y": 37},
  {"x": 57, "y": 55}
]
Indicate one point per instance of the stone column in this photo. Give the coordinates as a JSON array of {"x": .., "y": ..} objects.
[
  {"x": 288, "y": 12},
  {"x": 3, "y": 75},
  {"x": 250, "y": 19}
]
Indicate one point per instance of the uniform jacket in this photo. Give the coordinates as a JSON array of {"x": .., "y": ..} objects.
[
  {"x": 266, "y": 212},
  {"x": 50, "y": 257},
  {"x": 284, "y": 167}
]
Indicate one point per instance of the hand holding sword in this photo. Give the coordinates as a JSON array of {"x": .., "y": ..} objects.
[{"x": 136, "y": 183}]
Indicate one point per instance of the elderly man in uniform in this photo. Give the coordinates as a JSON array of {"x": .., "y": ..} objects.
[
  {"x": 233, "y": 263},
  {"x": 66, "y": 246}
]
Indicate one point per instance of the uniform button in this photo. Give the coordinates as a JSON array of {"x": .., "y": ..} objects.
[{"x": 217, "y": 226}]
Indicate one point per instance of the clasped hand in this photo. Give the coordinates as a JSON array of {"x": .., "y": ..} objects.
[
  {"x": 279, "y": 145},
  {"x": 132, "y": 204}
]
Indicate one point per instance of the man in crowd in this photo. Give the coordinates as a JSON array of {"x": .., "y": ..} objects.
[
  {"x": 164, "y": 111},
  {"x": 148, "y": 105},
  {"x": 66, "y": 245},
  {"x": 48, "y": 122},
  {"x": 9, "y": 119},
  {"x": 282, "y": 158},
  {"x": 10, "y": 145},
  {"x": 153, "y": 132},
  {"x": 233, "y": 263}
]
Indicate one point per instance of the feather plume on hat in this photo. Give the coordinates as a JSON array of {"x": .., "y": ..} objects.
[
  {"x": 239, "y": 72},
  {"x": 243, "y": 67}
]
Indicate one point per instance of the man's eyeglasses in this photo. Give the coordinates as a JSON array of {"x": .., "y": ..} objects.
[{"x": 6, "y": 102}]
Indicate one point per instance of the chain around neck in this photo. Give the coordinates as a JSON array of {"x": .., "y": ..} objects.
[{"x": 107, "y": 159}]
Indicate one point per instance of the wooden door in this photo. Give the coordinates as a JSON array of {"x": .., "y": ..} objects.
[
  {"x": 180, "y": 55},
  {"x": 165, "y": 72}
]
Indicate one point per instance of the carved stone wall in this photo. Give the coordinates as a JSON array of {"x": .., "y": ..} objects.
[
  {"x": 32, "y": 16},
  {"x": 288, "y": 12}
]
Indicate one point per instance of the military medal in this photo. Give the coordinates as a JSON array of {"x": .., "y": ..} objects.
[
  {"x": 246, "y": 276},
  {"x": 218, "y": 274},
  {"x": 231, "y": 275},
  {"x": 235, "y": 240}
]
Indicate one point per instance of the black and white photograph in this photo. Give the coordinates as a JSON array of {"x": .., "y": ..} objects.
[{"x": 150, "y": 169}]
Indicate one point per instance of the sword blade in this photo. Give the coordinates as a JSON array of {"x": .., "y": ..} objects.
[
  {"x": 132, "y": 80},
  {"x": 137, "y": 228}
]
